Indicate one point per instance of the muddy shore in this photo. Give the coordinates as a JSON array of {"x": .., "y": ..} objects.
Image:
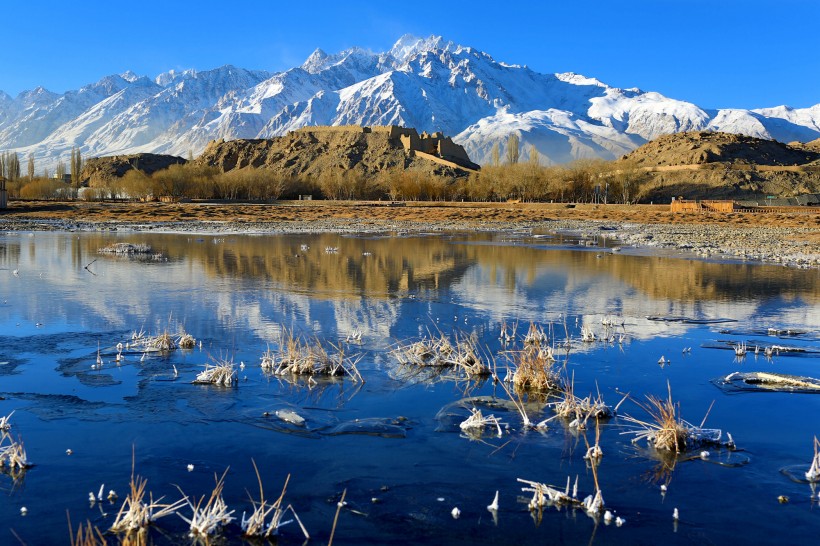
[{"x": 788, "y": 238}]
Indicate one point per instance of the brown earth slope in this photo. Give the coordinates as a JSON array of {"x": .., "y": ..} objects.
[
  {"x": 100, "y": 170},
  {"x": 710, "y": 165},
  {"x": 309, "y": 154},
  {"x": 701, "y": 147}
]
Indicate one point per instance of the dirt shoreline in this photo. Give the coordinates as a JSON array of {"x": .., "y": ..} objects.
[{"x": 789, "y": 238}]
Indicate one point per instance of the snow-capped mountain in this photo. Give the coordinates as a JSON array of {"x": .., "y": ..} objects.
[{"x": 430, "y": 84}]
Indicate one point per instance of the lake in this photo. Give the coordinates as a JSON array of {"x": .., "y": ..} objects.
[{"x": 392, "y": 442}]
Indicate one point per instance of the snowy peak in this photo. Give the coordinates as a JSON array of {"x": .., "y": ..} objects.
[
  {"x": 129, "y": 76},
  {"x": 408, "y": 46},
  {"x": 167, "y": 78},
  {"x": 315, "y": 63}
]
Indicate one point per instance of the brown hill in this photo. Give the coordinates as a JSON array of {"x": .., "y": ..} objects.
[
  {"x": 698, "y": 148},
  {"x": 814, "y": 145},
  {"x": 708, "y": 165},
  {"x": 100, "y": 170},
  {"x": 312, "y": 152}
]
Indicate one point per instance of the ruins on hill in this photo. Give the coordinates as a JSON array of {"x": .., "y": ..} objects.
[{"x": 433, "y": 146}]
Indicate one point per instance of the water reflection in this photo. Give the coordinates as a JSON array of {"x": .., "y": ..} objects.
[
  {"x": 296, "y": 279},
  {"x": 396, "y": 437}
]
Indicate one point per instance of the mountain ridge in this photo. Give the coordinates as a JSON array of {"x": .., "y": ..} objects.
[{"x": 428, "y": 83}]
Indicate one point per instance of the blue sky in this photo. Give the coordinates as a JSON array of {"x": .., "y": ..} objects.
[{"x": 715, "y": 53}]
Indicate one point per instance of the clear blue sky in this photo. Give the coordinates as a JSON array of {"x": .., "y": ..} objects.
[{"x": 715, "y": 53}]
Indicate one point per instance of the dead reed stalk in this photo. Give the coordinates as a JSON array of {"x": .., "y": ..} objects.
[
  {"x": 296, "y": 356},
  {"x": 257, "y": 525},
  {"x": 667, "y": 430},
  {"x": 222, "y": 373},
  {"x": 535, "y": 368},
  {"x": 135, "y": 515},
  {"x": 813, "y": 475},
  {"x": 461, "y": 354},
  {"x": 207, "y": 519}
]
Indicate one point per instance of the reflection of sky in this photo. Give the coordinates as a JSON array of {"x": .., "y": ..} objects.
[{"x": 551, "y": 292}]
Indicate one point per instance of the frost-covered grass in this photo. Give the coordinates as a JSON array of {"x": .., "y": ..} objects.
[
  {"x": 460, "y": 353},
  {"x": 135, "y": 514},
  {"x": 667, "y": 430},
  {"x": 208, "y": 517},
  {"x": 222, "y": 373},
  {"x": 267, "y": 517},
  {"x": 298, "y": 356},
  {"x": 813, "y": 474}
]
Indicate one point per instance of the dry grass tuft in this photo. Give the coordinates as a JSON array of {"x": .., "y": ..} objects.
[
  {"x": 13, "y": 454},
  {"x": 666, "y": 430},
  {"x": 578, "y": 411},
  {"x": 535, "y": 368},
  {"x": 207, "y": 519},
  {"x": 298, "y": 356},
  {"x": 135, "y": 515},
  {"x": 186, "y": 341},
  {"x": 476, "y": 423},
  {"x": 222, "y": 373},
  {"x": 257, "y": 524},
  {"x": 164, "y": 342},
  {"x": 461, "y": 354}
]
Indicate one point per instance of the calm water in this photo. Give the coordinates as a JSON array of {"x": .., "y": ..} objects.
[{"x": 403, "y": 468}]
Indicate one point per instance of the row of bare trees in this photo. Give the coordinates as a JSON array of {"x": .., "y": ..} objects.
[{"x": 579, "y": 181}]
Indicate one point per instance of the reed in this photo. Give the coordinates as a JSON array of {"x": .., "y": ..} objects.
[
  {"x": 297, "y": 356},
  {"x": 88, "y": 535},
  {"x": 667, "y": 430},
  {"x": 813, "y": 474},
  {"x": 461, "y": 354},
  {"x": 5, "y": 422},
  {"x": 257, "y": 525},
  {"x": 135, "y": 514},
  {"x": 477, "y": 422},
  {"x": 222, "y": 373},
  {"x": 208, "y": 518},
  {"x": 13, "y": 453},
  {"x": 535, "y": 368},
  {"x": 547, "y": 495}
]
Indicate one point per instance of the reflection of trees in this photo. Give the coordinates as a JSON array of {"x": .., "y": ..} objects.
[
  {"x": 372, "y": 267},
  {"x": 366, "y": 267},
  {"x": 9, "y": 251}
]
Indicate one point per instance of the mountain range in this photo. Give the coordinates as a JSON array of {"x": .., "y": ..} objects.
[{"x": 427, "y": 83}]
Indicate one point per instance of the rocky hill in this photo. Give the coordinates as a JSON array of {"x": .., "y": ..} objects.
[
  {"x": 714, "y": 165},
  {"x": 814, "y": 145},
  {"x": 314, "y": 152},
  {"x": 99, "y": 170},
  {"x": 701, "y": 147}
]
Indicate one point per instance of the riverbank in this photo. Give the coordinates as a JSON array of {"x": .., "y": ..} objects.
[{"x": 791, "y": 239}]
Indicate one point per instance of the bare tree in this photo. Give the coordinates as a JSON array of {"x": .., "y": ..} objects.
[
  {"x": 30, "y": 167},
  {"x": 76, "y": 166},
  {"x": 512, "y": 149},
  {"x": 535, "y": 157},
  {"x": 495, "y": 155}
]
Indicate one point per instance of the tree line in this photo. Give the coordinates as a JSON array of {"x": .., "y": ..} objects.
[{"x": 586, "y": 180}]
